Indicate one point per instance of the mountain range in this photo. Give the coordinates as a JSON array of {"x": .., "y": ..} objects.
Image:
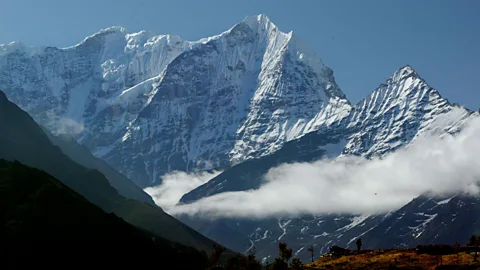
[
  {"x": 149, "y": 104},
  {"x": 244, "y": 101}
]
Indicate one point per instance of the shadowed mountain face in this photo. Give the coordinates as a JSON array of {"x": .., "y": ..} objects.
[
  {"x": 81, "y": 155},
  {"x": 45, "y": 224},
  {"x": 23, "y": 140},
  {"x": 428, "y": 220}
]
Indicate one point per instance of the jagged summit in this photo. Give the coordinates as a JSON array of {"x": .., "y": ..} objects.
[
  {"x": 406, "y": 68},
  {"x": 117, "y": 31},
  {"x": 259, "y": 22},
  {"x": 395, "y": 112},
  {"x": 113, "y": 29},
  {"x": 259, "y": 28},
  {"x": 117, "y": 39},
  {"x": 408, "y": 82},
  {"x": 404, "y": 84},
  {"x": 403, "y": 73},
  {"x": 260, "y": 18}
]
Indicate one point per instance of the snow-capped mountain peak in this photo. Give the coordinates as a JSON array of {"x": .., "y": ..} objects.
[
  {"x": 278, "y": 42},
  {"x": 112, "y": 30},
  {"x": 404, "y": 72},
  {"x": 260, "y": 19},
  {"x": 404, "y": 85},
  {"x": 149, "y": 104},
  {"x": 396, "y": 113},
  {"x": 260, "y": 23},
  {"x": 108, "y": 34}
]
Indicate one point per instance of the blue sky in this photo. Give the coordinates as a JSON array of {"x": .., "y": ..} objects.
[{"x": 364, "y": 42}]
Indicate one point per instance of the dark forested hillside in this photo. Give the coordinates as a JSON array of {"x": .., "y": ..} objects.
[
  {"x": 23, "y": 140},
  {"x": 43, "y": 223},
  {"x": 81, "y": 155}
]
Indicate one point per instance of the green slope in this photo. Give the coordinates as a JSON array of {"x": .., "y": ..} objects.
[{"x": 43, "y": 223}]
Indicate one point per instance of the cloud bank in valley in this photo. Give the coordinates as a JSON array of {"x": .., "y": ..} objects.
[
  {"x": 432, "y": 164},
  {"x": 175, "y": 184}
]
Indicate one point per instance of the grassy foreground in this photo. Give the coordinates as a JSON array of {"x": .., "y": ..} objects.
[{"x": 397, "y": 259}]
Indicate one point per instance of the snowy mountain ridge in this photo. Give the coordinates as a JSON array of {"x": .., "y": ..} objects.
[
  {"x": 402, "y": 108},
  {"x": 152, "y": 104}
]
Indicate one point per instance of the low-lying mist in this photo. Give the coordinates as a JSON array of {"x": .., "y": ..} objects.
[
  {"x": 174, "y": 185},
  {"x": 434, "y": 164}
]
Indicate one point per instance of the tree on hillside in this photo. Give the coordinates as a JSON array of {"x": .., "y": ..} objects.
[
  {"x": 279, "y": 264},
  {"x": 311, "y": 250},
  {"x": 359, "y": 244},
  {"x": 296, "y": 264},
  {"x": 215, "y": 256},
  {"x": 268, "y": 265},
  {"x": 252, "y": 262},
  {"x": 244, "y": 263},
  {"x": 285, "y": 254},
  {"x": 233, "y": 263},
  {"x": 473, "y": 240}
]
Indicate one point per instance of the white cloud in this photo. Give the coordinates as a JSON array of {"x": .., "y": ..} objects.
[
  {"x": 432, "y": 164},
  {"x": 69, "y": 126},
  {"x": 175, "y": 185}
]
